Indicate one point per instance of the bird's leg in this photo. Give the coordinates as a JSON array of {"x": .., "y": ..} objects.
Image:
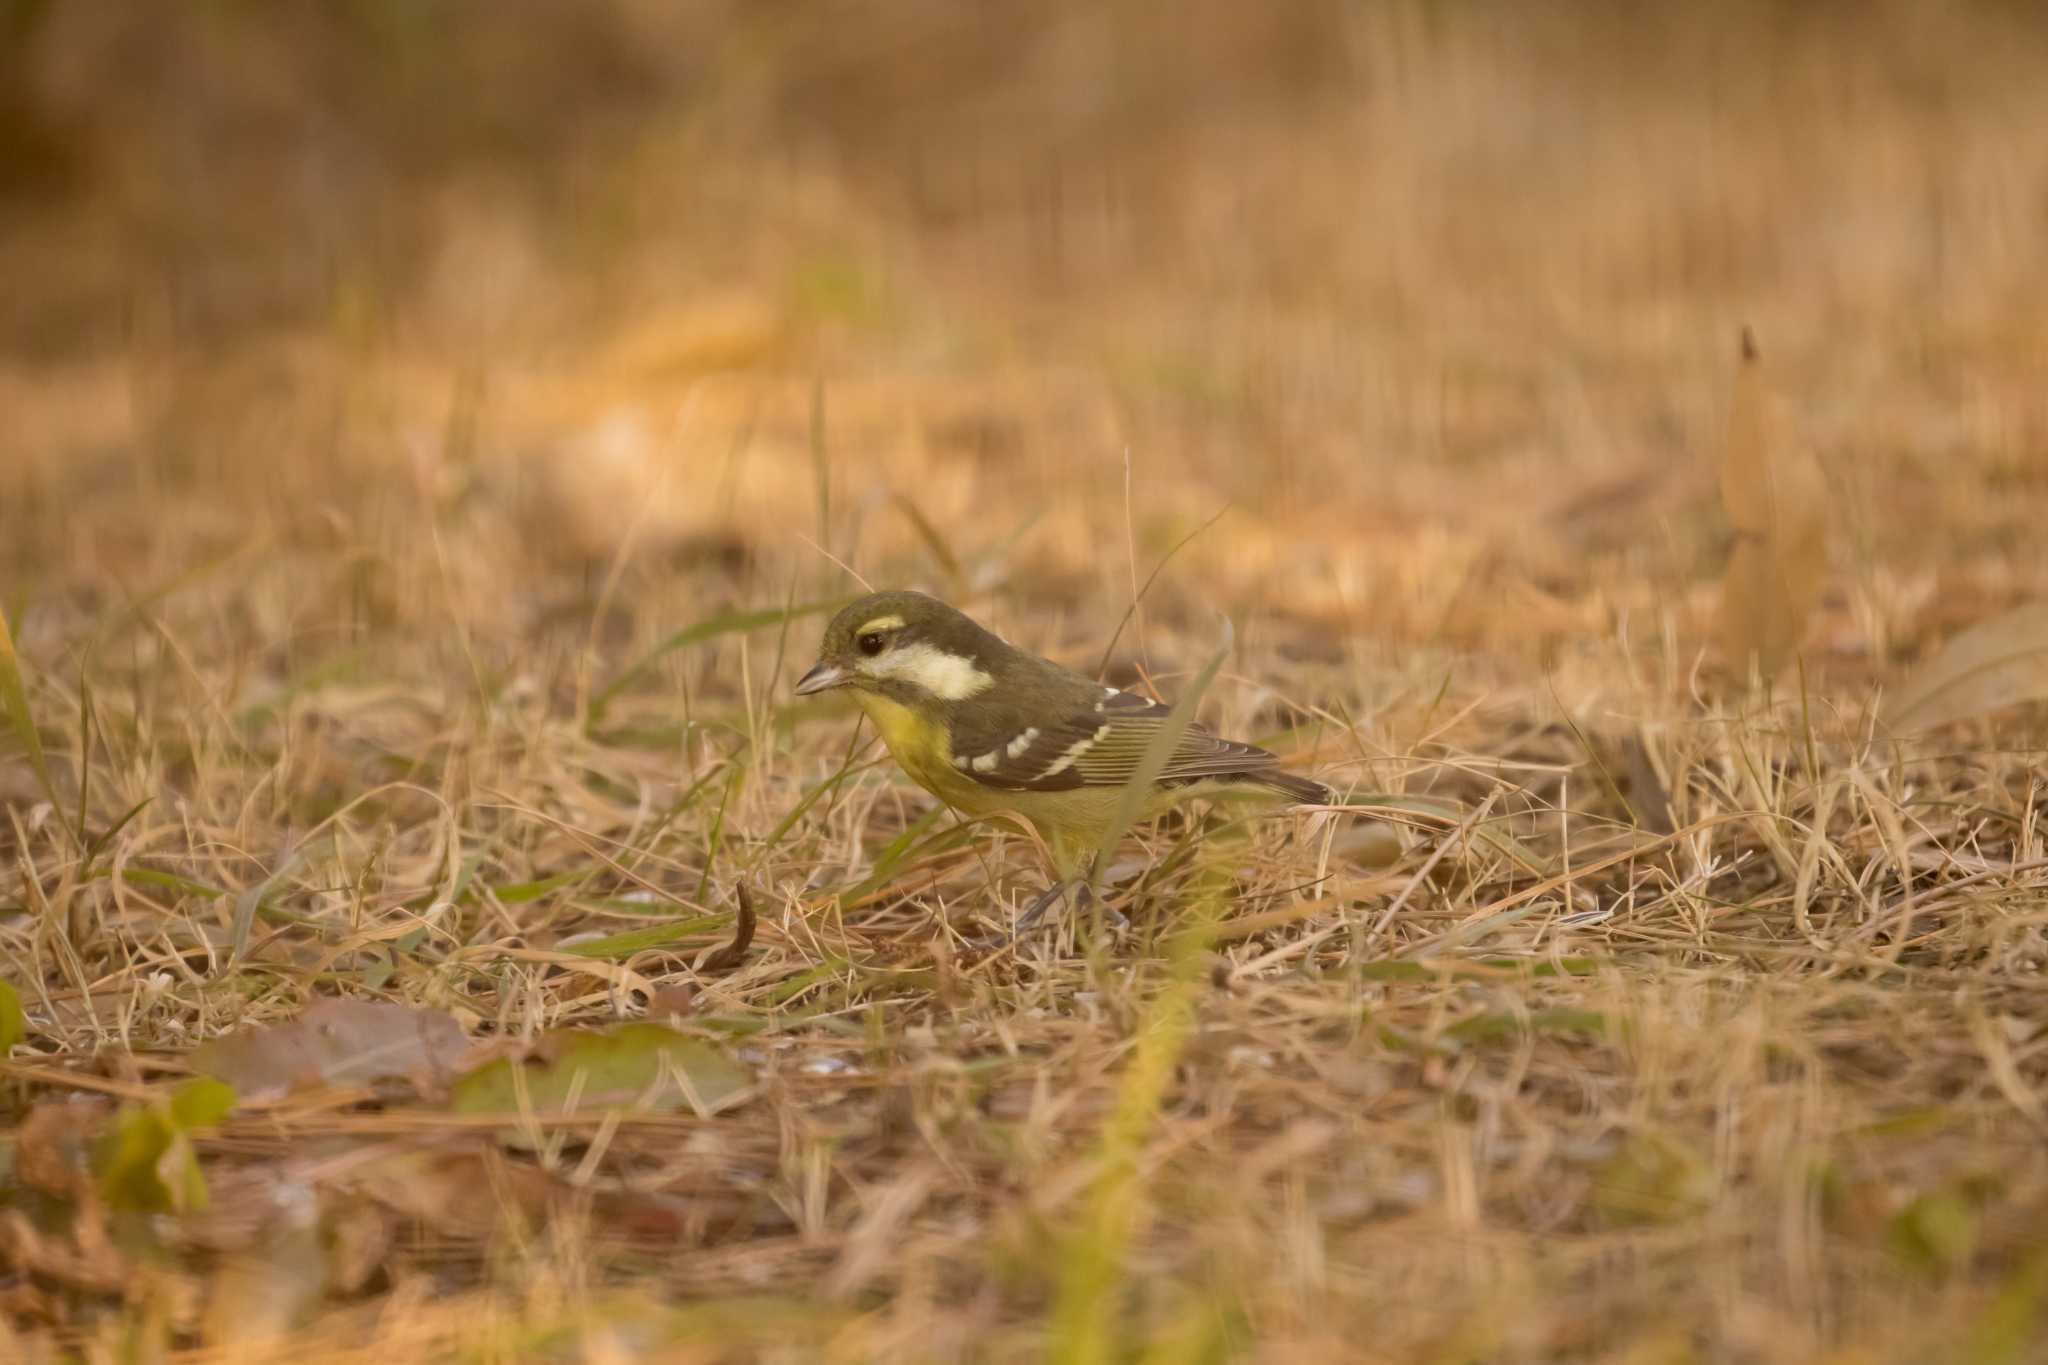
[
  {"x": 1047, "y": 899},
  {"x": 1082, "y": 890}
]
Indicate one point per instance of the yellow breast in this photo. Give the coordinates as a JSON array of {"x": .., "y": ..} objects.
[{"x": 922, "y": 749}]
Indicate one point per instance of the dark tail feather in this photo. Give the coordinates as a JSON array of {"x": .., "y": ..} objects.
[{"x": 1305, "y": 790}]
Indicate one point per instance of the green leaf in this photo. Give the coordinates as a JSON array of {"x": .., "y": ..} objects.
[
  {"x": 145, "y": 1163},
  {"x": 13, "y": 1024},
  {"x": 641, "y": 1067},
  {"x": 201, "y": 1102},
  {"x": 731, "y": 623},
  {"x": 1652, "y": 1180},
  {"x": 1486, "y": 1027},
  {"x": 170, "y": 881},
  {"x": 1936, "y": 1232},
  {"x": 2008, "y": 1330},
  {"x": 518, "y": 893}
]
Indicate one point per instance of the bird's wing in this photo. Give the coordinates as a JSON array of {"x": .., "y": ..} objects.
[{"x": 1098, "y": 747}]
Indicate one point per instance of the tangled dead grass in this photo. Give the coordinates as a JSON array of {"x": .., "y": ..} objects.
[{"x": 423, "y": 636}]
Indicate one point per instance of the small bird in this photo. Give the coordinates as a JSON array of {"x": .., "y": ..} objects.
[{"x": 988, "y": 727}]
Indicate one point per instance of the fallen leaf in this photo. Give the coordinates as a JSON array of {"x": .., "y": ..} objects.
[
  {"x": 81, "y": 1255},
  {"x": 1648, "y": 799},
  {"x": 675, "y": 1001},
  {"x": 1652, "y": 1180},
  {"x": 1936, "y": 1232},
  {"x": 462, "y": 1192},
  {"x": 260, "y": 1294},
  {"x": 1996, "y": 663},
  {"x": 1776, "y": 499},
  {"x": 640, "y": 1066},
  {"x": 359, "y": 1237},
  {"x": 338, "y": 1042},
  {"x": 53, "y": 1146},
  {"x": 146, "y": 1162}
]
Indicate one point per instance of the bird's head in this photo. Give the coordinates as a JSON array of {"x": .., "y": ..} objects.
[{"x": 906, "y": 646}]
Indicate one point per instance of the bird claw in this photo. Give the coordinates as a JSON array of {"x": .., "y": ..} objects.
[{"x": 1052, "y": 895}]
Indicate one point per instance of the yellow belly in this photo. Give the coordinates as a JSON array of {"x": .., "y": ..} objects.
[{"x": 1071, "y": 822}]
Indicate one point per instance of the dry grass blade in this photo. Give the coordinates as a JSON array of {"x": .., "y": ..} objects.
[
  {"x": 1994, "y": 664},
  {"x": 933, "y": 541},
  {"x": 1776, "y": 500},
  {"x": 1138, "y": 597},
  {"x": 729, "y": 623}
]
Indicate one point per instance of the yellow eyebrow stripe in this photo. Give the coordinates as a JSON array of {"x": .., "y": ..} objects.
[{"x": 882, "y": 623}]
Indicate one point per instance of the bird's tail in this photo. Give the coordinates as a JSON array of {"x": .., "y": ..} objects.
[{"x": 1303, "y": 790}]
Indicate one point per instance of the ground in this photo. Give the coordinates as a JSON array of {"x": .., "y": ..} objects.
[{"x": 431, "y": 441}]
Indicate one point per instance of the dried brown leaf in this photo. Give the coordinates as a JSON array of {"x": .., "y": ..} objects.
[
  {"x": 1776, "y": 499},
  {"x": 1996, "y": 663},
  {"x": 338, "y": 1042},
  {"x": 261, "y": 1294}
]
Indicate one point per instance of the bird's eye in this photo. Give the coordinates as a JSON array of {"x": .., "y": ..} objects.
[{"x": 870, "y": 643}]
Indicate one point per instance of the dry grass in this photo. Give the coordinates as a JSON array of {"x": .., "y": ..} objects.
[{"x": 384, "y": 396}]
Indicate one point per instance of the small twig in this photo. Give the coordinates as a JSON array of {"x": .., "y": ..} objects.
[{"x": 735, "y": 952}]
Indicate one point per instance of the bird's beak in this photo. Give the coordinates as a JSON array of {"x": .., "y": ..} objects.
[{"x": 821, "y": 677}]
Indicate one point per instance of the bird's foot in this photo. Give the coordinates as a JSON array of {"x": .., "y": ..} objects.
[{"x": 1078, "y": 889}]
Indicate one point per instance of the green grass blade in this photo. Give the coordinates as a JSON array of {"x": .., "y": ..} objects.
[
  {"x": 99, "y": 845},
  {"x": 14, "y": 701},
  {"x": 13, "y": 1024},
  {"x": 631, "y": 941},
  {"x": 1093, "y": 1259}
]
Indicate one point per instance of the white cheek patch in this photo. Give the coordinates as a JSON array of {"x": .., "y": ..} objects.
[{"x": 949, "y": 677}]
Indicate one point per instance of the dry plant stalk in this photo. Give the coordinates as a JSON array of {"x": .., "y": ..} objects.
[{"x": 1775, "y": 496}]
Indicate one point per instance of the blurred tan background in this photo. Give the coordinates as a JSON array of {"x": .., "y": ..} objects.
[
  {"x": 383, "y": 383},
  {"x": 1439, "y": 300}
]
